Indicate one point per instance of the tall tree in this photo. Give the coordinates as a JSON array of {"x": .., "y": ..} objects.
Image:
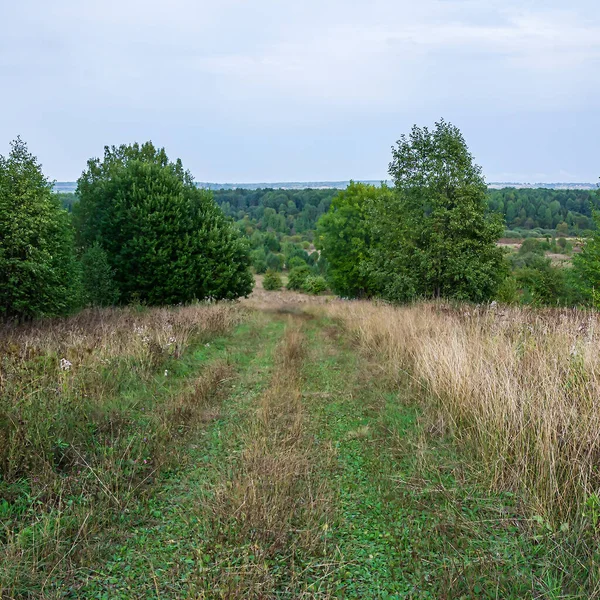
[
  {"x": 344, "y": 239},
  {"x": 165, "y": 239},
  {"x": 586, "y": 267},
  {"x": 38, "y": 268},
  {"x": 435, "y": 236}
]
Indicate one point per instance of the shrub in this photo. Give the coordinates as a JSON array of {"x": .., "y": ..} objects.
[
  {"x": 296, "y": 261},
  {"x": 272, "y": 281},
  {"x": 258, "y": 258},
  {"x": 297, "y": 277},
  {"x": 315, "y": 284},
  {"x": 508, "y": 291}
]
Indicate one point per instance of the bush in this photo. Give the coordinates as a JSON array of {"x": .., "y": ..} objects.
[
  {"x": 298, "y": 277},
  {"x": 508, "y": 291},
  {"x": 272, "y": 281},
  {"x": 296, "y": 261},
  {"x": 315, "y": 284}
]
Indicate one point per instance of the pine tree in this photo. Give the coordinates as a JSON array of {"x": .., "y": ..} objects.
[
  {"x": 165, "y": 239},
  {"x": 38, "y": 268}
]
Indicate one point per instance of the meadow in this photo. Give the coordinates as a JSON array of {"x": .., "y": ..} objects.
[{"x": 300, "y": 446}]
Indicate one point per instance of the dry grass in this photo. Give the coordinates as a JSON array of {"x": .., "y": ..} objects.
[
  {"x": 281, "y": 300},
  {"x": 519, "y": 388},
  {"x": 86, "y": 422}
]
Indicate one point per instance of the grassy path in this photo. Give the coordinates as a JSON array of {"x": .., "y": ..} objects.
[{"x": 314, "y": 479}]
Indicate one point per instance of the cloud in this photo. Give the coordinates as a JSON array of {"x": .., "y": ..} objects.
[{"x": 313, "y": 70}]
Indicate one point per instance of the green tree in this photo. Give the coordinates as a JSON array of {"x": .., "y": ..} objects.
[
  {"x": 259, "y": 260},
  {"x": 165, "y": 239},
  {"x": 586, "y": 267},
  {"x": 38, "y": 268},
  {"x": 344, "y": 240},
  {"x": 434, "y": 235},
  {"x": 99, "y": 288}
]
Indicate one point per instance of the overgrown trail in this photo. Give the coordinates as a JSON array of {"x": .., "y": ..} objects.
[{"x": 314, "y": 479}]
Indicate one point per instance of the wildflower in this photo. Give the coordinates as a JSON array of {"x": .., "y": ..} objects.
[
  {"x": 166, "y": 373},
  {"x": 207, "y": 345},
  {"x": 65, "y": 365}
]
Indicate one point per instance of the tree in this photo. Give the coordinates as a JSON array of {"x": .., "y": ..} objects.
[
  {"x": 38, "y": 268},
  {"x": 435, "y": 236},
  {"x": 586, "y": 267},
  {"x": 165, "y": 239},
  {"x": 344, "y": 239}
]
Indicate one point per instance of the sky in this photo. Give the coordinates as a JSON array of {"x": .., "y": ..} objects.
[{"x": 317, "y": 90}]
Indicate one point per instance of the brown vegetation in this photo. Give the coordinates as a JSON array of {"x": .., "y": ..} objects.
[{"x": 519, "y": 388}]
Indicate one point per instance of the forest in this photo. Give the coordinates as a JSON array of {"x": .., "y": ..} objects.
[{"x": 526, "y": 211}]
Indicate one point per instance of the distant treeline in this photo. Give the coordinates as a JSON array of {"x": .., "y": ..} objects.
[
  {"x": 566, "y": 211},
  {"x": 296, "y": 212}
]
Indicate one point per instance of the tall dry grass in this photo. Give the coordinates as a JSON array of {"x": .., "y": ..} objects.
[
  {"x": 86, "y": 422},
  {"x": 520, "y": 388}
]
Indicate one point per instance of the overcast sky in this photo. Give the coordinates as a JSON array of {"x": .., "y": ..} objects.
[{"x": 273, "y": 90}]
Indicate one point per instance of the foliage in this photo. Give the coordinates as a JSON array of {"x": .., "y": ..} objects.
[
  {"x": 275, "y": 261},
  {"x": 298, "y": 277},
  {"x": 295, "y": 261},
  {"x": 314, "y": 284},
  {"x": 508, "y": 291},
  {"x": 434, "y": 235},
  {"x": 99, "y": 288},
  {"x": 586, "y": 266},
  {"x": 272, "y": 281},
  {"x": 38, "y": 269},
  {"x": 566, "y": 211},
  {"x": 344, "y": 240},
  {"x": 541, "y": 283},
  {"x": 259, "y": 260},
  {"x": 165, "y": 239},
  {"x": 277, "y": 211}
]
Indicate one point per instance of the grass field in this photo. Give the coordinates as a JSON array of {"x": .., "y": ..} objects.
[{"x": 289, "y": 447}]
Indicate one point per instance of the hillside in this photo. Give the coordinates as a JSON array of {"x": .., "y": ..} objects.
[{"x": 285, "y": 448}]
